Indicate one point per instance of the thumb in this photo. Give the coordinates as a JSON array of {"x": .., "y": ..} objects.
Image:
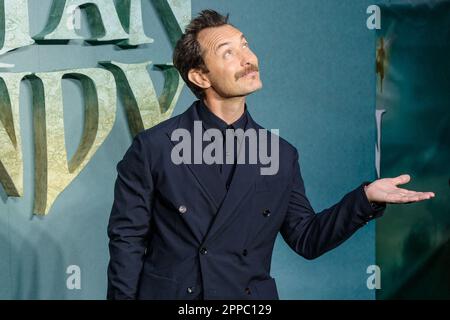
[{"x": 402, "y": 179}]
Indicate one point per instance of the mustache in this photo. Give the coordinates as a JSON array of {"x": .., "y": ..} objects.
[{"x": 247, "y": 70}]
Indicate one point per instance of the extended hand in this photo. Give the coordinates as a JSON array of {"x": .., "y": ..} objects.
[{"x": 386, "y": 190}]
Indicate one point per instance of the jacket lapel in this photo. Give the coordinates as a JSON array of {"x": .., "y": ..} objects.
[
  {"x": 206, "y": 176},
  {"x": 225, "y": 202},
  {"x": 242, "y": 183}
]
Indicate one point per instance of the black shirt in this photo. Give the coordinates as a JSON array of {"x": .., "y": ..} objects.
[{"x": 211, "y": 121}]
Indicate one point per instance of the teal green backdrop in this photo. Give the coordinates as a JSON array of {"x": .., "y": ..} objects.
[
  {"x": 413, "y": 243},
  {"x": 317, "y": 66}
]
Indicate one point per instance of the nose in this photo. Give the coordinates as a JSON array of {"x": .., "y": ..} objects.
[{"x": 248, "y": 57}]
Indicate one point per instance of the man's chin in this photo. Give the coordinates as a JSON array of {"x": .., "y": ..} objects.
[
  {"x": 253, "y": 89},
  {"x": 241, "y": 92},
  {"x": 257, "y": 88}
]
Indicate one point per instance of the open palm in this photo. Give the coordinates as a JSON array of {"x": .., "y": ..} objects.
[{"x": 386, "y": 190}]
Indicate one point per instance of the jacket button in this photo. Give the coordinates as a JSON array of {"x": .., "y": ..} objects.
[
  {"x": 266, "y": 212},
  {"x": 248, "y": 291},
  {"x": 190, "y": 289},
  {"x": 203, "y": 251},
  {"x": 182, "y": 209},
  {"x": 245, "y": 252}
]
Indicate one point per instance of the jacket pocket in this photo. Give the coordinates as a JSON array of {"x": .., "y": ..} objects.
[
  {"x": 156, "y": 287},
  {"x": 264, "y": 289}
]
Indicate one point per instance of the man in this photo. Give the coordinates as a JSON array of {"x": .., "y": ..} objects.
[{"x": 207, "y": 231}]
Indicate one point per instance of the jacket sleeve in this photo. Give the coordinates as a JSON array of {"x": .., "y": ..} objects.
[
  {"x": 310, "y": 234},
  {"x": 129, "y": 222}
]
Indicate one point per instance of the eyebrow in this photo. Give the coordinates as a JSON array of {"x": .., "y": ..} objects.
[{"x": 227, "y": 43}]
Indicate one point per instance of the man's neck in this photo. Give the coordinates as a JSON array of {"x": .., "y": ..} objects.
[{"x": 229, "y": 110}]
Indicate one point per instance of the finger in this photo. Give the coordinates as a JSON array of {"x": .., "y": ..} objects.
[
  {"x": 426, "y": 195},
  {"x": 415, "y": 198},
  {"x": 405, "y": 191},
  {"x": 402, "y": 179},
  {"x": 410, "y": 198},
  {"x": 397, "y": 198},
  {"x": 416, "y": 193}
]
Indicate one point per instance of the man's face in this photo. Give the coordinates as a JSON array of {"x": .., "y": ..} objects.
[{"x": 233, "y": 67}]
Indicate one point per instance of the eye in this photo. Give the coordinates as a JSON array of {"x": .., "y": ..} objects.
[
  {"x": 245, "y": 45},
  {"x": 227, "y": 53}
]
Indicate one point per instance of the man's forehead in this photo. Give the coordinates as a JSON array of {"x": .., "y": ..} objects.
[{"x": 211, "y": 38}]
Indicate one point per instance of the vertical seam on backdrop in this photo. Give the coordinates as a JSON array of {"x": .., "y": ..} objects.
[{"x": 10, "y": 255}]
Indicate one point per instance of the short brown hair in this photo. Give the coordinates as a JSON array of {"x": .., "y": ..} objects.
[{"x": 188, "y": 54}]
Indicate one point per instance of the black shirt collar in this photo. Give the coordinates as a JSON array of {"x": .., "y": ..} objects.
[{"x": 210, "y": 120}]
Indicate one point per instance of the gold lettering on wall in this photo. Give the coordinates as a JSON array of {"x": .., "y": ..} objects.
[
  {"x": 11, "y": 164},
  {"x": 121, "y": 23},
  {"x": 53, "y": 172},
  {"x": 144, "y": 109}
]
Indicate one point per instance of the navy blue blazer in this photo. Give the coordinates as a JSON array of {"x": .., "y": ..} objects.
[{"x": 172, "y": 236}]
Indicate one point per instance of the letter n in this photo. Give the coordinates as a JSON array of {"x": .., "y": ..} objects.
[
  {"x": 53, "y": 173},
  {"x": 11, "y": 163}
]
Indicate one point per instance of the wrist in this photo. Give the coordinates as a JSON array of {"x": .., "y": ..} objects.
[
  {"x": 367, "y": 194},
  {"x": 374, "y": 204}
]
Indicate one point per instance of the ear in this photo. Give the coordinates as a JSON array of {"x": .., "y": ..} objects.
[{"x": 199, "y": 78}]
